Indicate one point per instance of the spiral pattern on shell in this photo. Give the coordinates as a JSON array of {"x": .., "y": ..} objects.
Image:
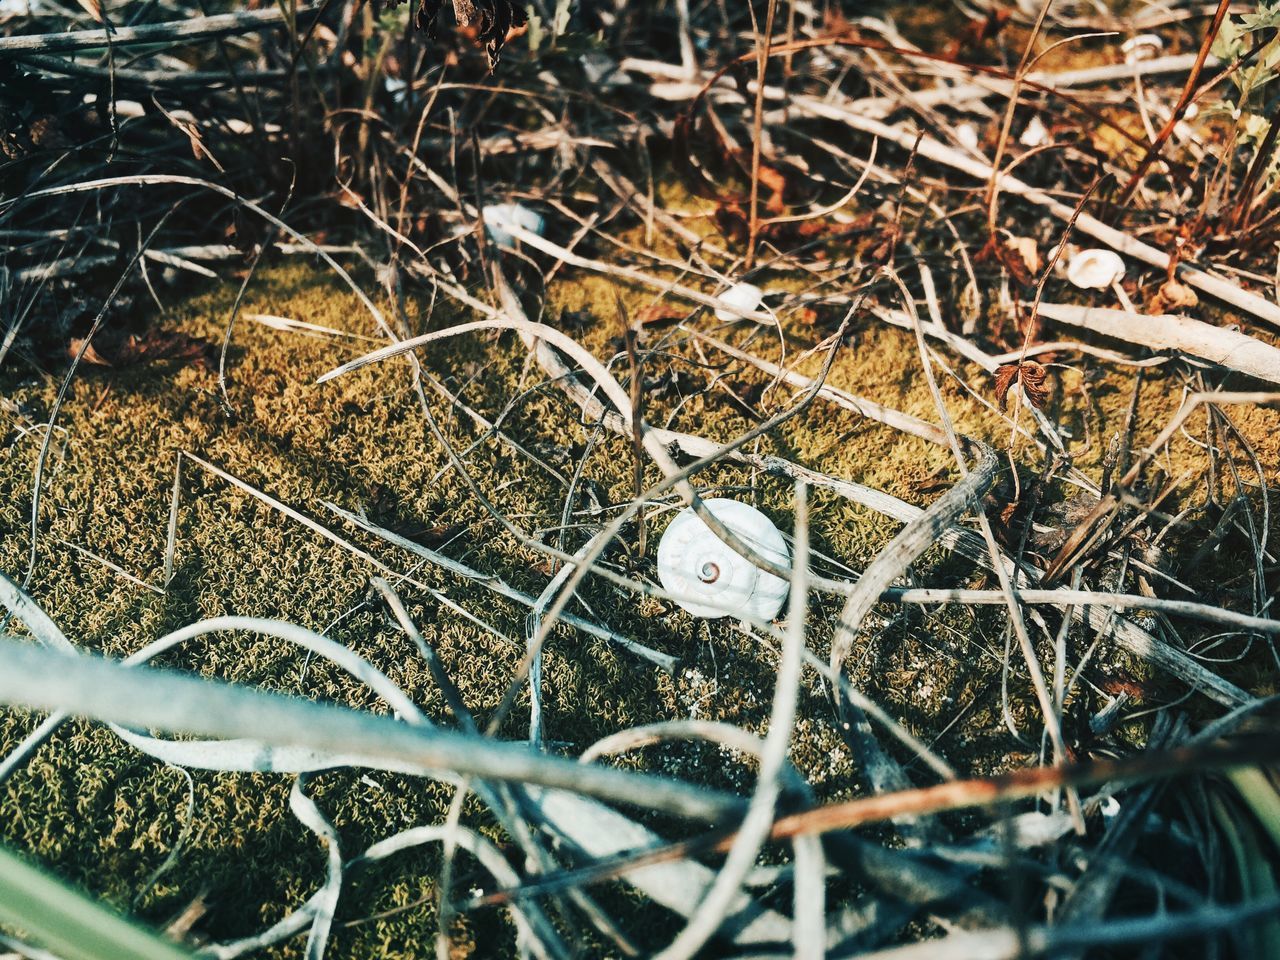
[{"x": 710, "y": 577}]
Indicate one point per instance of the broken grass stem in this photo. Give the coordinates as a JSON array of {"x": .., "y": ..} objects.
[{"x": 142, "y": 697}]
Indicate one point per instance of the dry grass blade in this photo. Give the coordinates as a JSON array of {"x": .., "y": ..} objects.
[
  {"x": 166, "y": 700},
  {"x": 195, "y": 28}
]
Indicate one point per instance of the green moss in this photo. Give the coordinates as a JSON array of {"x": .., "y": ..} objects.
[{"x": 106, "y": 817}]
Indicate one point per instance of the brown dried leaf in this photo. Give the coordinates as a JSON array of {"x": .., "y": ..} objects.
[
  {"x": 731, "y": 220},
  {"x": 1136, "y": 689},
  {"x": 128, "y": 350},
  {"x": 659, "y": 314},
  {"x": 976, "y": 33},
  {"x": 1025, "y": 249},
  {"x": 93, "y": 8},
  {"x": 1018, "y": 255},
  {"x": 488, "y": 22},
  {"x": 876, "y": 248},
  {"x": 45, "y": 132},
  {"x": 1029, "y": 375},
  {"x": 776, "y": 182}
]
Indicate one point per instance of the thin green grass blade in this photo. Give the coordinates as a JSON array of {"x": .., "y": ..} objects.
[
  {"x": 1263, "y": 799},
  {"x": 69, "y": 923}
]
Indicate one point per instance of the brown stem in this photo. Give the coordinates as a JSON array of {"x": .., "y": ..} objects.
[
  {"x": 790, "y": 48},
  {"x": 1007, "y": 124},
  {"x": 1244, "y": 205},
  {"x": 1188, "y": 92},
  {"x": 762, "y": 63},
  {"x": 952, "y": 795}
]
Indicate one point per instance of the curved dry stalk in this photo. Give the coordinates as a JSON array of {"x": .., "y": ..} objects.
[
  {"x": 474, "y": 843},
  {"x": 194, "y": 28},
  {"x": 1048, "y": 710},
  {"x": 911, "y": 542},
  {"x": 1092, "y": 598},
  {"x": 1007, "y": 944},
  {"x": 502, "y": 589},
  {"x": 810, "y": 862},
  {"x": 512, "y": 317},
  {"x": 1133, "y": 638},
  {"x": 166, "y": 700},
  {"x": 994, "y": 792},
  {"x": 1225, "y": 347},
  {"x": 1224, "y": 290}
]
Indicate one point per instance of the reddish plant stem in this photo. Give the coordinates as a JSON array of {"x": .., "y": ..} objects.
[
  {"x": 757, "y": 132},
  {"x": 922, "y": 801},
  {"x": 1244, "y": 205},
  {"x": 1188, "y": 93}
]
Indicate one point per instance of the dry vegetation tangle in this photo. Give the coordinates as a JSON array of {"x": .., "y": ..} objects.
[{"x": 1021, "y": 700}]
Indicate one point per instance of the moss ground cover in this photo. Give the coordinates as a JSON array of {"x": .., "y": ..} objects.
[{"x": 102, "y": 815}]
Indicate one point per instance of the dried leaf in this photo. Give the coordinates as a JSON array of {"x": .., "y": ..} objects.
[
  {"x": 732, "y": 221},
  {"x": 775, "y": 181},
  {"x": 1019, "y": 255},
  {"x": 1029, "y": 375},
  {"x": 129, "y": 350},
  {"x": 876, "y": 248},
  {"x": 1006, "y": 374},
  {"x": 1026, "y": 250},
  {"x": 488, "y": 22},
  {"x": 659, "y": 314},
  {"x": 1135, "y": 689},
  {"x": 46, "y": 133},
  {"x": 93, "y": 8},
  {"x": 974, "y": 34}
]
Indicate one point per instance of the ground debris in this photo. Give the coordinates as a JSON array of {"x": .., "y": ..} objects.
[{"x": 119, "y": 350}]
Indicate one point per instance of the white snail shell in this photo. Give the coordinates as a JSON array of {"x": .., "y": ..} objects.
[
  {"x": 744, "y": 296},
  {"x": 1142, "y": 47},
  {"x": 694, "y": 563},
  {"x": 1095, "y": 269},
  {"x": 498, "y": 216}
]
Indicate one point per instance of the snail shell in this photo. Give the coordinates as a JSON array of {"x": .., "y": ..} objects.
[
  {"x": 744, "y": 296},
  {"x": 694, "y": 563},
  {"x": 498, "y": 216},
  {"x": 1095, "y": 269},
  {"x": 1142, "y": 47}
]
